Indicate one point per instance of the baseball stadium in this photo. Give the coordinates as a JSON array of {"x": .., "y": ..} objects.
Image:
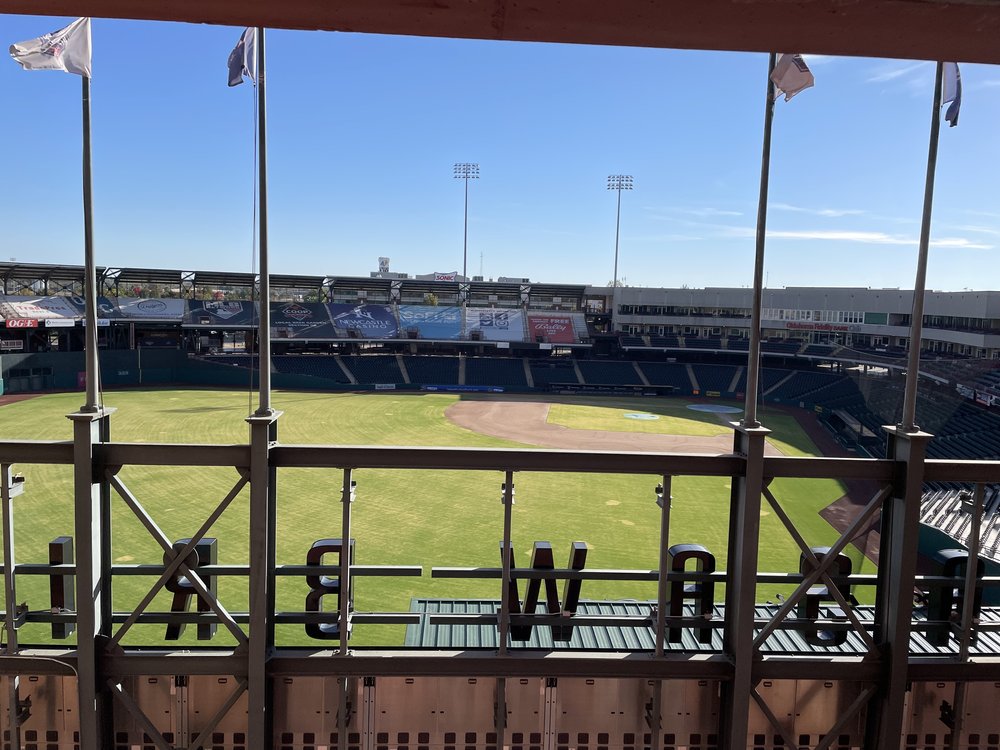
[{"x": 247, "y": 509}]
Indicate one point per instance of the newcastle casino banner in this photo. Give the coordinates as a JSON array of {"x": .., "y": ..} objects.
[
  {"x": 221, "y": 314},
  {"x": 368, "y": 321},
  {"x": 301, "y": 320},
  {"x": 430, "y": 322},
  {"x": 494, "y": 324},
  {"x": 551, "y": 328}
]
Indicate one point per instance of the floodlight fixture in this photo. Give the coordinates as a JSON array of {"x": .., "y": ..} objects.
[
  {"x": 618, "y": 182},
  {"x": 466, "y": 171}
]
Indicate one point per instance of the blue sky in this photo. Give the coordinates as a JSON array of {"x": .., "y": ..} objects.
[{"x": 364, "y": 130}]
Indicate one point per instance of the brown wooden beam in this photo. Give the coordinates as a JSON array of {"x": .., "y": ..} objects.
[{"x": 963, "y": 31}]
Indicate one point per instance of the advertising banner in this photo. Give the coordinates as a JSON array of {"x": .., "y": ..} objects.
[
  {"x": 550, "y": 328},
  {"x": 447, "y": 276},
  {"x": 135, "y": 308},
  {"x": 38, "y": 308},
  {"x": 222, "y": 313},
  {"x": 430, "y": 322},
  {"x": 301, "y": 320},
  {"x": 494, "y": 324},
  {"x": 22, "y": 323},
  {"x": 368, "y": 321}
]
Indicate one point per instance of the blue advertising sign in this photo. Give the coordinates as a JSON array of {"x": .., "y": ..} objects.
[
  {"x": 220, "y": 313},
  {"x": 301, "y": 320},
  {"x": 370, "y": 321},
  {"x": 494, "y": 324},
  {"x": 431, "y": 322}
]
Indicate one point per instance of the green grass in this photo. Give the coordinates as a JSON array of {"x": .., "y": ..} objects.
[
  {"x": 400, "y": 517},
  {"x": 674, "y": 418}
]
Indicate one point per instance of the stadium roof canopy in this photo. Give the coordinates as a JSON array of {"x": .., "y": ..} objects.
[{"x": 959, "y": 30}]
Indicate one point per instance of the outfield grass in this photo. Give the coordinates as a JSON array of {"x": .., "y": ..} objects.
[
  {"x": 674, "y": 418},
  {"x": 400, "y": 517}
]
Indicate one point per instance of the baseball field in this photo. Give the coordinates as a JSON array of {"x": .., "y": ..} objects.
[{"x": 428, "y": 518}]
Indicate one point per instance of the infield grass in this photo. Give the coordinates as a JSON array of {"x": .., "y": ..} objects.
[{"x": 428, "y": 518}]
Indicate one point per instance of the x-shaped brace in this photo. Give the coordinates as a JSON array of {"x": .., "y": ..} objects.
[
  {"x": 830, "y": 736},
  {"x": 147, "y": 726},
  {"x": 820, "y": 567},
  {"x": 177, "y": 559}
]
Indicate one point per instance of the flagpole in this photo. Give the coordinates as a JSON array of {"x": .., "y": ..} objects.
[
  {"x": 917, "y": 315},
  {"x": 753, "y": 354},
  {"x": 90, "y": 281},
  {"x": 264, "y": 318}
]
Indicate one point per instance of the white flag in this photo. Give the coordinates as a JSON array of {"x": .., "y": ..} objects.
[
  {"x": 243, "y": 58},
  {"x": 952, "y": 92},
  {"x": 791, "y": 75},
  {"x": 67, "y": 50}
]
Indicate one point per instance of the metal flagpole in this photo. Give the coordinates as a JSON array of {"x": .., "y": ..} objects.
[
  {"x": 90, "y": 281},
  {"x": 753, "y": 355},
  {"x": 264, "y": 318},
  {"x": 917, "y": 316}
]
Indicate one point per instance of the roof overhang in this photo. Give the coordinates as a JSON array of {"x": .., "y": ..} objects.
[{"x": 963, "y": 31}]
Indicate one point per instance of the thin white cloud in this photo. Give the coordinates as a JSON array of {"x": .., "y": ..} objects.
[
  {"x": 991, "y": 231},
  {"x": 833, "y": 213},
  {"x": 702, "y": 212},
  {"x": 991, "y": 83},
  {"x": 891, "y": 73},
  {"x": 664, "y": 238},
  {"x": 813, "y": 60},
  {"x": 862, "y": 237}
]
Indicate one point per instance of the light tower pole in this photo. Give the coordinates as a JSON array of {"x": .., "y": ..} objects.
[
  {"x": 618, "y": 182},
  {"x": 466, "y": 171}
]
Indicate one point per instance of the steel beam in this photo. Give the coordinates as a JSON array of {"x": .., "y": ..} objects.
[
  {"x": 894, "y": 595},
  {"x": 744, "y": 533},
  {"x": 263, "y": 435},
  {"x": 93, "y": 579}
]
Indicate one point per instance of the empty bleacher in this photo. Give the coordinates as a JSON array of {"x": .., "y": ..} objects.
[
  {"x": 505, "y": 372},
  {"x": 432, "y": 370},
  {"x": 666, "y": 342},
  {"x": 667, "y": 373},
  {"x": 714, "y": 377},
  {"x": 608, "y": 372},
  {"x": 546, "y": 372},
  {"x": 694, "y": 342},
  {"x": 315, "y": 365},
  {"x": 374, "y": 368}
]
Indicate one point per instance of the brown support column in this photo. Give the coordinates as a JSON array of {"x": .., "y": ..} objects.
[
  {"x": 741, "y": 584},
  {"x": 260, "y": 719},
  {"x": 894, "y": 595},
  {"x": 91, "y": 497}
]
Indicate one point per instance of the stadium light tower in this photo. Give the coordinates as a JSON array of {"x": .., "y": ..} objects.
[
  {"x": 618, "y": 182},
  {"x": 466, "y": 171}
]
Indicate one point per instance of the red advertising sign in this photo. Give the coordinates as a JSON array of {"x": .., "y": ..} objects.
[
  {"x": 22, "y": 323},
  {"x": 555, "y": 329}
]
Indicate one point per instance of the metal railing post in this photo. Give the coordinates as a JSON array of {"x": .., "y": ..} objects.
[
  {"x": 900, "y": 531},
  {"x": 263, "y": 434},
  {"x": 741, "y": 587},
  {"x": 93, "y": 575}
]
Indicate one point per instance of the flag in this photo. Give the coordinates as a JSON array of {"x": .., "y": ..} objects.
[
  {"x": 791, "y": 75},
  {"x": 952, "y": 92},
  {"x": 67, "y": 49},
  {"x": 243, "y": 59}
]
